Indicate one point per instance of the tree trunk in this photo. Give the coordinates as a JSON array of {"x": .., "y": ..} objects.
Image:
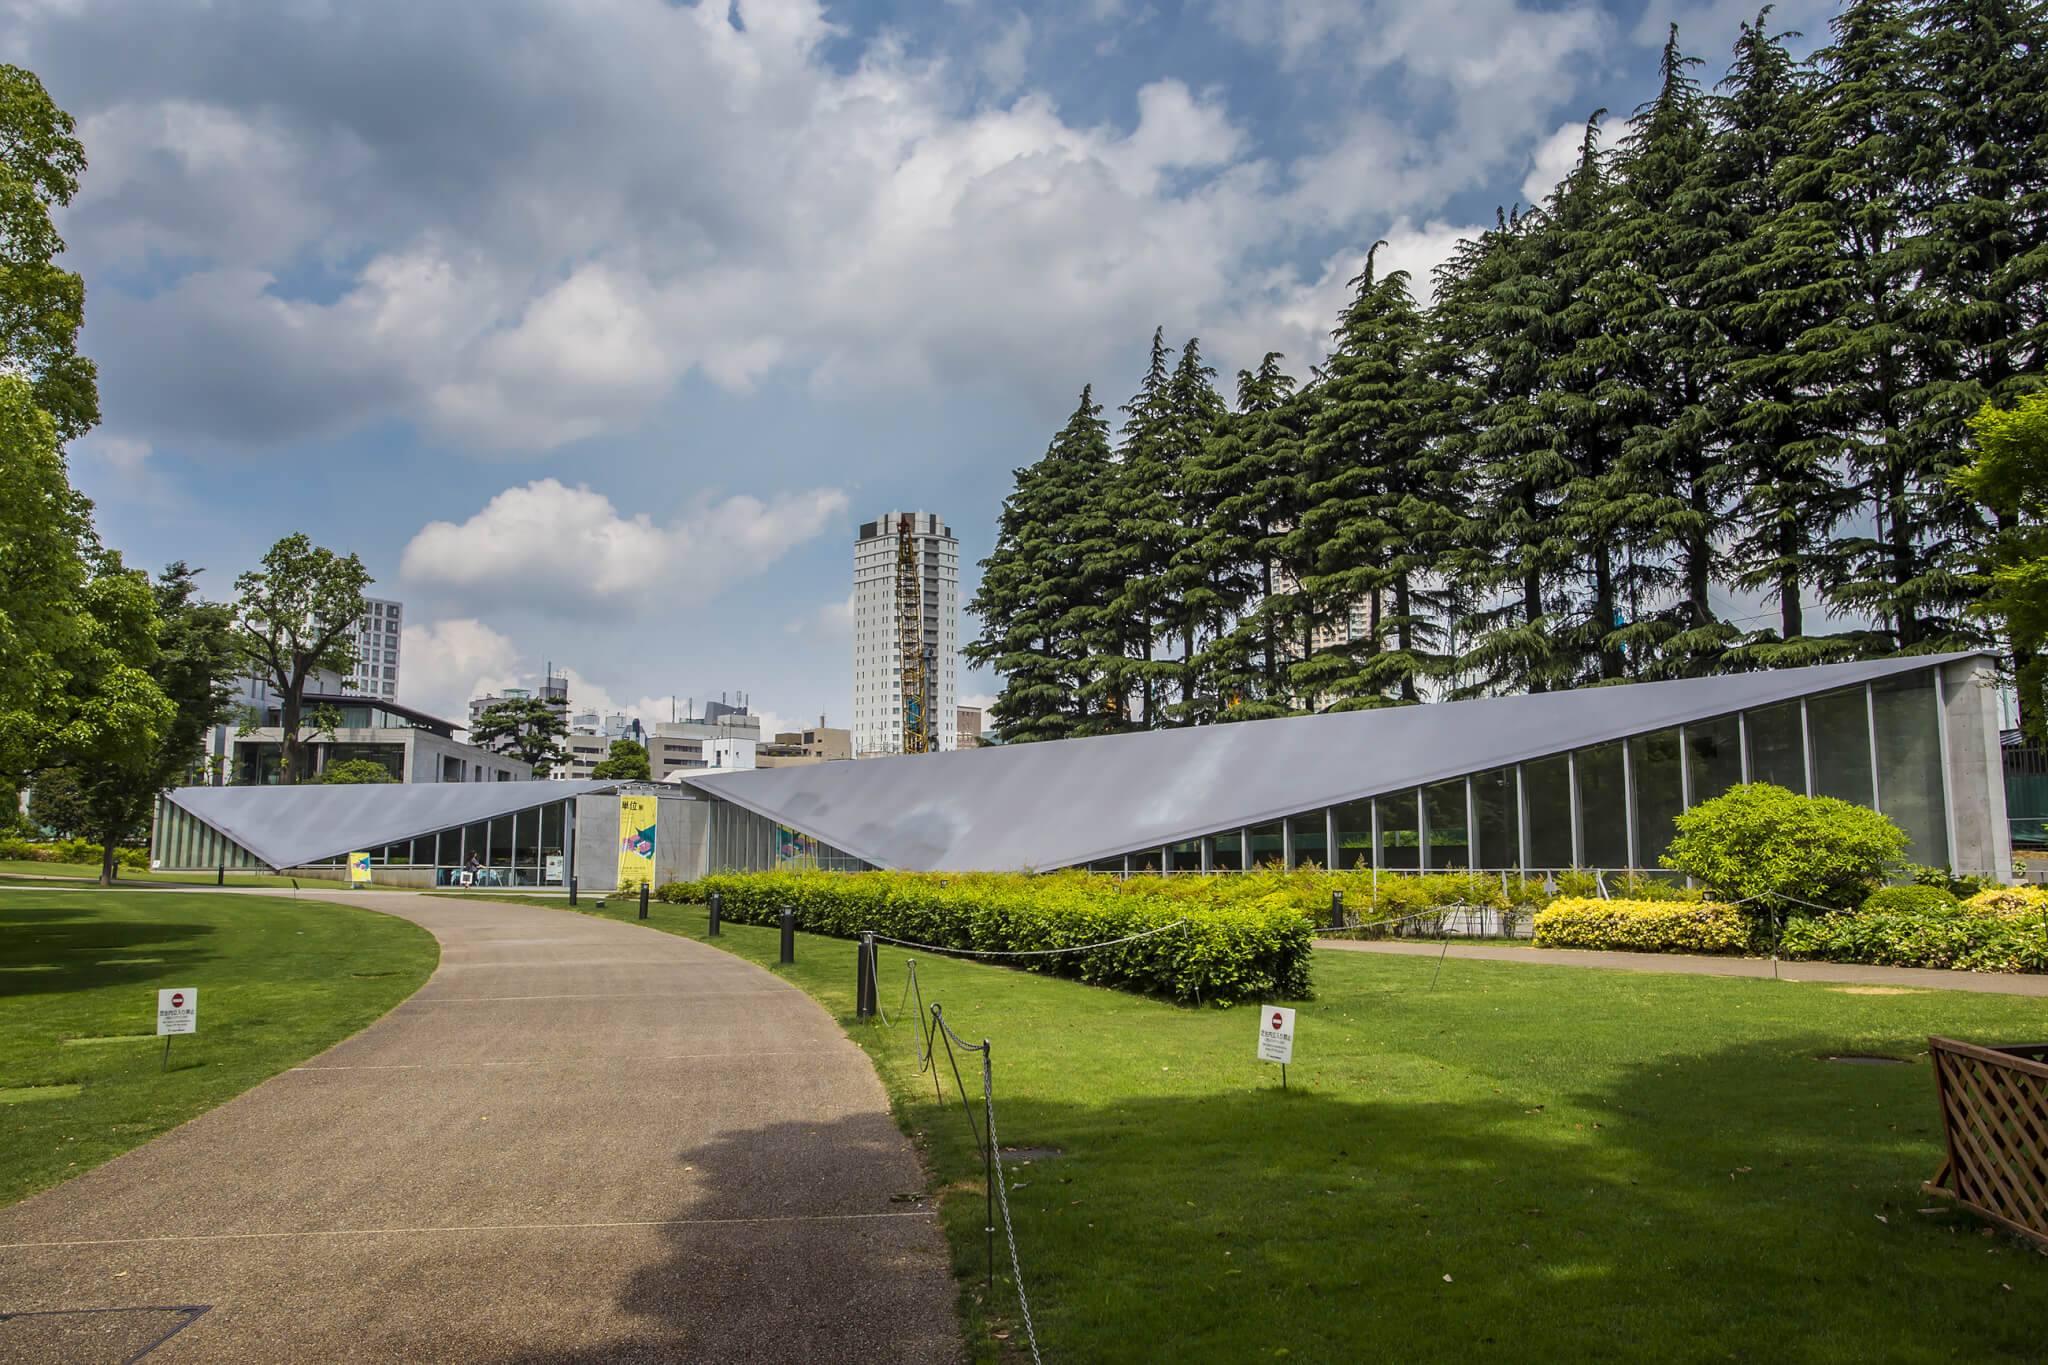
[
  {"x": 1611, "y": 664},
  {"x": 1791, "y": 611},
  {"x": 288, "y": 752},
  {"x": 110, "y": 865},
  {"x": 1402, "y": 636}
]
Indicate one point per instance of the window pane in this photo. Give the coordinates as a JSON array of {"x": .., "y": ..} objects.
[
  {"x": 1909, "y": 764},
  {"x": 1776, "y": 752},
  {"x": 1660, "y": 799},
  {"x": 1354, "y": 837},
  {"x": 1499, "y": 842},
  {"x": 526, "y": 842},
  {"x": 1400, "y": 837},
  {"x": 1546, "y": 791},
  {"x": 1838, "y": 724},
  {"x": 1603, "y": 807},
  {"x": 1311, "y": 838},
  {"x": 1184, "y": 857},
  {"x": 501, "y": 842},
  {"x": 1266, "y": 846},
  {"x": 1226, "y": 851},
  {"x": 1713, "y": 749},
  {"x": 1450, "y": 842},
  {"x": 476, "y": 844},
  {"x": 552, "y": 822}
]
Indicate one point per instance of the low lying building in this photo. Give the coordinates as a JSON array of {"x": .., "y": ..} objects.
[
  {"x": 1592, "y": 778},
  {"x": 412, "y": 745}
]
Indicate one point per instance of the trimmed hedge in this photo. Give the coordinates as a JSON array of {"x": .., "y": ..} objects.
[
  {"x": 1912, "y": 900},
  {"x": 1642, "y": 926},
  {"x": 1245, "y": 940},
  {"x": 1983, "y": 942},
  {"x": 82, "y": 852}
]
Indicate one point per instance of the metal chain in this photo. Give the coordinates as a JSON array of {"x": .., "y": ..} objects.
[{"x": 988, "y": 1092}]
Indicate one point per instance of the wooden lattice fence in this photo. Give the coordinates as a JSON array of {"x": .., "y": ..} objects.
[{"x": 1994, "y": 1112}]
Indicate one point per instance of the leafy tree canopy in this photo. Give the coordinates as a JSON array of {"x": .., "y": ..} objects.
[
  {"x": 626, "y": 761},
  {"x": 526, "y": 728},
  {"x": 357, "y": 771},
  {"x": 297, "y": 616},
  {"x": 41, "y": 306}
]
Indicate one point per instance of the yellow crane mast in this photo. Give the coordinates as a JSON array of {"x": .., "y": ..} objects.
[{"x": 910, "y": 641}]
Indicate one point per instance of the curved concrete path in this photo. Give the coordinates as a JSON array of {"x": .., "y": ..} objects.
[{"x": 580, "y": 1141}]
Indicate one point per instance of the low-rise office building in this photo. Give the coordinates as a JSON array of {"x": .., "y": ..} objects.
[{"x": 412, "y": 745}]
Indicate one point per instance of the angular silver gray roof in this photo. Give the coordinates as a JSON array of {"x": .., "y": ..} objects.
[
  {"x": 1035, "y": 807},
  {"x": 293, "y": 826}
]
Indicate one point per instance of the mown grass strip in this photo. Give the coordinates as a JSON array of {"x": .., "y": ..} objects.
[
  {"x": 1525, "y": 1163},
  {"x": 277, "y": 983}
]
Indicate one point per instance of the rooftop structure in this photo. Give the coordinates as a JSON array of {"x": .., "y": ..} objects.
[{"x": 1591, "y": 778}]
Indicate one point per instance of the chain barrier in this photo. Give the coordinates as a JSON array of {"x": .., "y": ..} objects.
[
  {"x": 988, "y": 1090},
  {"x": 936, "y": 1031}
]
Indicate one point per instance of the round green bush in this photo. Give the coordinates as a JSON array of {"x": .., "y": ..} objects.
[
  {"x": 1762, "y": 846},
  {"x": 1912, "y": 900}
]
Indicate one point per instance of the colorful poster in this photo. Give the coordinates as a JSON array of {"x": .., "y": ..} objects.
[
  {"x": 358, "y": 869},
  {"x": 636, "y": 840},
  {"x": 794, "y": 849}
]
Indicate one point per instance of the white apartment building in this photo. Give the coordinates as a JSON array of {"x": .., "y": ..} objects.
[
  {"x": 877, "y": 659},
  {"x": 376, "y": 642}
]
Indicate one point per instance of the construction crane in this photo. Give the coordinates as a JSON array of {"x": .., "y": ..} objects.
[{"x": 917, "y": 733}]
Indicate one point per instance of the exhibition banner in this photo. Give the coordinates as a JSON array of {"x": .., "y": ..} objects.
[{"x": 636, "y": 840}]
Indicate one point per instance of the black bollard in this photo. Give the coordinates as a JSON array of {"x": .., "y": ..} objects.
[
  {"x": 220, "y": 878},
  {"x": 864, "y": 977},
  {"x": 572, "y": 893},
  {"x": 1336, "y": 909},
  {"x": 717, "y": 907},
  {"x": 643, "y": 900},
  {"x": 788, "y": 935}
]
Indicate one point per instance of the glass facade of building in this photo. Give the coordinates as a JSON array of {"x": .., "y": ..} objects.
[
  {"x": 531, "y": 847},
  {"x": 741, "y": 841},
  {"x": 1613, "y": 805}
]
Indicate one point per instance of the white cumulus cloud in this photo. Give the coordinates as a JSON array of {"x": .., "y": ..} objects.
[{"x": 550, "y": 546}]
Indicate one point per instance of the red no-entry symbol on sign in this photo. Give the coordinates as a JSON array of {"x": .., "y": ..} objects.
[
  {"x": 1276, "y": 1021},
  {"x": 178, "y": 1002}
]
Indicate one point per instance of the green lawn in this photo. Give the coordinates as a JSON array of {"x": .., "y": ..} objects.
[
  {"x": 28, "y": 872},
  {"x": 278, "y": 982},
  {"x": 1527, "y": 1163}
]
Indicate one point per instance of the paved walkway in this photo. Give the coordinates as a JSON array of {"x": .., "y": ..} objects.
[
  {"x": 581, "y": 1141},
  {"x": 1921, "y": 978}
]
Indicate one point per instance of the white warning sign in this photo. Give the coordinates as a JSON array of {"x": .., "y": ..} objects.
[
  {"x": 177, "y": 1011},
  {"x": 1276, "y": 1036}
]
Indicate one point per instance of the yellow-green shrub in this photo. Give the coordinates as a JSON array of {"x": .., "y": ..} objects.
[
  {"x": 1641, "y": 926},
  {"x": 2009, "y": 902}
]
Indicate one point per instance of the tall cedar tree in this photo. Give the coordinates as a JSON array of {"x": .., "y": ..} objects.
[
  {"x": 527, "y": 728},
  {"x": 1511, "y": 556},
  {"x": 1196, "y": 604},
  {"x": 1381, "y": 513},
  {"x": 1251, "y": 470},
  {"x": 1149, "y": 533},
  {"x": 1591, "y": 401},
  {"x": 1881, "y": 362},
  {"x": 1671, "y": 221},
  {"x": 1038, "y": 601},
  {"x": 1784, "y": 455}
]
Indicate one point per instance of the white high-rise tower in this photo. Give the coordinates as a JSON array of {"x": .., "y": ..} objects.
[{"x": 877, "y": 659}]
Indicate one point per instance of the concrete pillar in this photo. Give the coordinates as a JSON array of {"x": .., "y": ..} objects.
[{"x": 1980, "y": 836}]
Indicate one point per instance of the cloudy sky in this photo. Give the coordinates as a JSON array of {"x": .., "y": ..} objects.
[{"x": 596, "y": 328}]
